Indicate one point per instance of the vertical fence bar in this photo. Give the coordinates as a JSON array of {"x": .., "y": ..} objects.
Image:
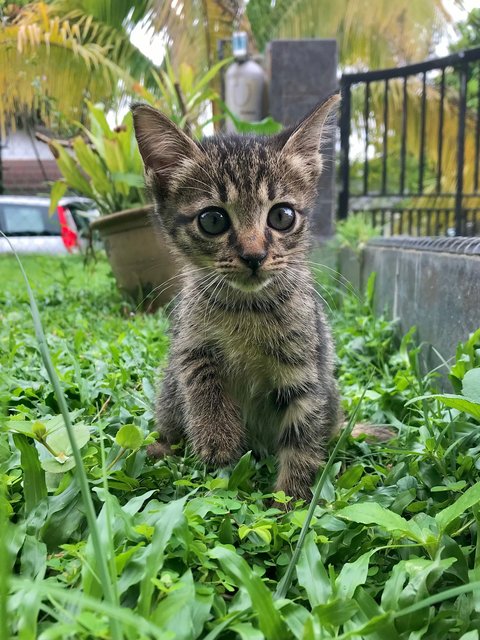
[
  {"x": 366, "y": 117},
  {"x": 428, "y": 213},
  {"x": 440, "y": 132},
  {"x": 343, "y": 197},
  {"x": 462, "y": 111},
  {"x": 421, "y": 167},
  {"x": 385, "y": 138},
  {"x": 477, "y": 140},
  {"x": 404, "y": 136},
  {"x": 1, "y": 166}
]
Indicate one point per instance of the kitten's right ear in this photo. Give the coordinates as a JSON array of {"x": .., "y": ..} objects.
[
  {"x": 306, "y": 138},
  {"x": 163, "y": 146}
]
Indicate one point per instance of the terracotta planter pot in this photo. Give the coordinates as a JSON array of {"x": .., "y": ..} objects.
[{"x": 139, "y": 256}]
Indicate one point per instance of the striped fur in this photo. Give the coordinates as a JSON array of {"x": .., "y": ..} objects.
[{"x": 252, "y": 362}]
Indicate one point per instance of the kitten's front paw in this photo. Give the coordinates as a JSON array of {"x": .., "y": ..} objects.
[
  {"x": 216, "y": 456},
  {"x": 217, "y": 440},
  {"x": 159, "y": 450}
]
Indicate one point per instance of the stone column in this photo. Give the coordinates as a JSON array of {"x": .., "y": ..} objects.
[{"x": 302, "y": 73}]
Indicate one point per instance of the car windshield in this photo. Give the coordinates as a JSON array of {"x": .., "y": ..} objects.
[{"x": 27, "y": 220}]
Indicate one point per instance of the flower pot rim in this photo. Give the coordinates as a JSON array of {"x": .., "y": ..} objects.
[{"x": 111, "y": 219}]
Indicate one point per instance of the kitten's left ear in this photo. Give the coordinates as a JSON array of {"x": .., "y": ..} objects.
[
  {"x": 163, "y": 146},
  {"x": 306, "y": 138}
]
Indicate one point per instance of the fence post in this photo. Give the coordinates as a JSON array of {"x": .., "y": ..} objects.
[
  {"x": 344, "y": 195},
  {"x": 462, "y": 113},
  {"x": 1, "y": 166}
]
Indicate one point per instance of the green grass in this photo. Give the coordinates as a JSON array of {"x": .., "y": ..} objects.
[{"x": 392, "y": 549}]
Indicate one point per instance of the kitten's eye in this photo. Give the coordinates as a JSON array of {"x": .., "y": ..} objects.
[
  {"x": 214, "y": 221},
  {"x": 281, "y": 217}
]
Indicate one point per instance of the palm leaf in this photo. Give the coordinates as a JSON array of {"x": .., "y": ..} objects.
[
  {"x": 194, "y": 27},
  {"x": 51, "y": 64},
  {"x": 375, "y": 34}
]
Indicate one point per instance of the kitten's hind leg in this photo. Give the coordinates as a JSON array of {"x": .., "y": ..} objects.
[{"x": 170, "y": 417}]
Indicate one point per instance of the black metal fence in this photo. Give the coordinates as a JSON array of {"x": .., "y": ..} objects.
[{"x": 410, "y": 146}]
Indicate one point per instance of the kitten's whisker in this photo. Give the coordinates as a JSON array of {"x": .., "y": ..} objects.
[
  {"x": 208, "y": 306},
  {"x": 341, "y": 280},
  {"x": 310, "y": 286},
  {"x": 200, "y": 282},
  {"x": 165, "y": 285}
]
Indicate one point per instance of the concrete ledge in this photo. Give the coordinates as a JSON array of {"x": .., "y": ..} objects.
[{"x": 432, "y": 283}]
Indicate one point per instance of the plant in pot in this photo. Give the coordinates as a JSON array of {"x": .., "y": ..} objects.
[{"x": 104, "y": 164}]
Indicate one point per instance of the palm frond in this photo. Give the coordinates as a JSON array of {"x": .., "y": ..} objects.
[
  {"x": 49, "y": 65},
  {"x": 192, "y": 28},
  {"x": 370, "y": 33}
]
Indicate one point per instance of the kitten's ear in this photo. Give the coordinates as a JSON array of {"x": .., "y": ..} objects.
[
  {"x": 163, "y": 146},
  {"x": 306, "y": 138}
]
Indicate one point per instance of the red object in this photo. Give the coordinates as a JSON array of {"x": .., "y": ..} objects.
[{"x": 69, "y": 236}]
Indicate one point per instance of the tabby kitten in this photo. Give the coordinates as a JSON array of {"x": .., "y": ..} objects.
[{"x": 251, "y": 362}]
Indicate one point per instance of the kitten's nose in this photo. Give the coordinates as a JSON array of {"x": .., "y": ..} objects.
[{"x": 253, "y": 260}]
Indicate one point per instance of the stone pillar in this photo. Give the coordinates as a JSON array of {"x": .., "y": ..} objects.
[{"x": 301, "y": 74}]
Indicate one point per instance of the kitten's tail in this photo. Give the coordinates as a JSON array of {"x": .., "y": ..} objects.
[{"x": 372, "y": 432}]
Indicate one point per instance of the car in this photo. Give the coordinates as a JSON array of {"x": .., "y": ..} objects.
[{"x": 29, "y": 227}]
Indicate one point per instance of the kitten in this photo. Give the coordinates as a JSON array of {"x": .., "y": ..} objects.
[{"x": 252, "y": 360}]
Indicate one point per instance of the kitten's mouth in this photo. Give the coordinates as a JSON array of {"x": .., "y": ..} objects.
[{"x": 250, "y": 283}]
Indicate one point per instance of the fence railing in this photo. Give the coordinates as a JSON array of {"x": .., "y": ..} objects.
[{"x": 410, "y": 146}]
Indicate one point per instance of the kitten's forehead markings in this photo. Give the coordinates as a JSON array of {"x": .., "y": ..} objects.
[
  {"x": 262, "y": 191},
  {"x": 232, "y": 191}
]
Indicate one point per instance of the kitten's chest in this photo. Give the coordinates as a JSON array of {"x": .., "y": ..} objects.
[{"x": 263, "y": 352}]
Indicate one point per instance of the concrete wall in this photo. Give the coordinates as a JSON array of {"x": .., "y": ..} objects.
[
  {"x": 302, "y": 73},
  {"x": 432, "y": 284}
]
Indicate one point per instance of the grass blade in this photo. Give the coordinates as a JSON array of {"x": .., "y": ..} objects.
[
  {"x": 5, "y": 560},
  {"x": 34, "y": 486},
  {"x": 79, "y": 470},
  {"x": 269, "y": 618},
  {"x": 438, "y": 597},
  {"x": 466, "y": 501},
  {"x": 311, "y": 573},
  {"x": 122, "y": 615},
  {"x": 170, "y": 518}
]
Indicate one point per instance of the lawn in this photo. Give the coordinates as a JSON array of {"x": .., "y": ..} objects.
[{"x": 186, "y": 552}]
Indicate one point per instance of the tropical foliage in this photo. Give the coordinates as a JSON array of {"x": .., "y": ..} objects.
[
  {"x": 85, "y": 45},
  {"x": 105, "y": 164},
  {"x": 49, "y": 64},
  {"x": 185, "y": 96}
]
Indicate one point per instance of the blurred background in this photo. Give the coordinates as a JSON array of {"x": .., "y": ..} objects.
[{"x": 406, "y": 158}]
